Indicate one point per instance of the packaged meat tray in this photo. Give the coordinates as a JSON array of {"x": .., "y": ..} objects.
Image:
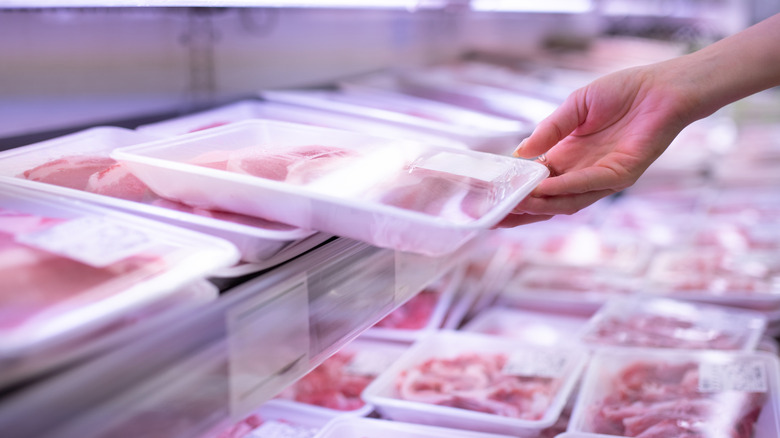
[
  {"x": 73, "y": 272},
  {"x": 78, "y": 166},
  {"x": 265, "y": 110},
  {"x": 639, "y": 321},
  {"x": 478, "y": 131},
  {"x": 530, "y": 327},
  {"x": 376, "y": 428},
  {"x": 273, "y": 421},
  {"x": 477, "y": 382},
  {"x": 334, "y": 388},
  {"x": 714, "y": 275},
  {"x": 421, "y": 314},
  {"x": 678, "y": 393},
  {"x": 442, "y": 87},
  {"x": 387, "y": 192}
]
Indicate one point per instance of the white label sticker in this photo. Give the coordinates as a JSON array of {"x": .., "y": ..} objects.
[
  {"x": 465, "y": 165},
  {"x": 536, "y": 363},
  {"x": 745, "y": 375},
  {"x": 96, "y": 241},
  {"x": 370, "y": 363},
  {"x": 278, "y": 429}
]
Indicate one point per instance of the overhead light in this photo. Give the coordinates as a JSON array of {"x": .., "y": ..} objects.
[{"x": 557, "y": 6}]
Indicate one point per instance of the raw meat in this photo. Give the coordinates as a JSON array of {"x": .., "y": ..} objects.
[
  {"x": 71, "y": 171},
  {"x": 637, "y": 330},
  {"x": 476, "y": 382},
  {"x": 414, "y": 314},
  {"x": 222, "y": 215},
  {"x": 331, "y": 385},
  {"x": 117, "y": 181},
  {"x": 440, "y": 194},
  {"x": 657, "y": 399},
  {"x": 33, "y": 281},
  {"x": 213, "y": 159}
]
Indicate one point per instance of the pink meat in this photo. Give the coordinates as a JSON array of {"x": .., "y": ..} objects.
[
  {"x": 213, "y": 159},
  {"x": 296, "y": 165},
  {"x": 223, "y": 215},
  {"x": 476, "y": 382},
  {"x": 414, "y": 314},
  {"x": 33, "y": 281},
  {"x": 117, "y": 181},
  {"x": 643, "y": 330},
  {"x": 331, "y": 385},
  {"x": 652, "y": 400},
  {"x": 71, "y": 171}
]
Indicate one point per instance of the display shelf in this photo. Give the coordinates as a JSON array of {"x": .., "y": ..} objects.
[{"x": 182, "y": 374}]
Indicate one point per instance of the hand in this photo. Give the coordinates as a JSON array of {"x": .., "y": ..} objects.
[{"x": 601, "y": 139}]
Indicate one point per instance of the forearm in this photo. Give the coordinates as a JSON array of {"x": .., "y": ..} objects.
[{"x": 730, "y": 69}]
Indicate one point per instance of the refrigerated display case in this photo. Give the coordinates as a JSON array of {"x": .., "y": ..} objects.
[{"x": 75, "y": 67}]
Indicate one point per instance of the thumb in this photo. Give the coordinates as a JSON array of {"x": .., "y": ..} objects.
[{"x": 562, "y": 122}]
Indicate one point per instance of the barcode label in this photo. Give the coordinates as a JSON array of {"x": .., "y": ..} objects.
[
  {"x": 747, "y": 376},
  {"x": 96, "y": 241},
  {"x": 536, "y": 363}
]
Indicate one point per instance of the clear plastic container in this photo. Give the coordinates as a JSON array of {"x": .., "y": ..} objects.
[
  {"x": 539, "y": 328},
  {"x": 510, "y": 387},
  {"x": 373, "y": 189},
  {"x": 73, "y": 271},
  {"x": 70, "y": 156},
  {"x": 333, "y": 388},
  {"x": 478, "y": 131},
  {"x": 265, "y": 110},
  {"x": 664, "y": 323},
  {"x": 676, "y": 393},
  {"x": 375, "y": 428}
]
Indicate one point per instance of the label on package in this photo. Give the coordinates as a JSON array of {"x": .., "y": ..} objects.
[
  {"x": 370, "y": 362},
  {"x": 536, "y": 363},
  {"x": 94, "y": 240},
  {"x": 744, "y": 375},
  {"x": 463, "y": 165},
  {"x": 279, "y": 429}
]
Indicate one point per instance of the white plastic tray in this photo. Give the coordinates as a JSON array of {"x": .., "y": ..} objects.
[
  {"x": 143, "y": 264},
  {"x": 266, "y": 110},
  {"x": 639, "y": 321},
  {"x": 257, "y": 240},
  {"x": 345, "y": 198},
  {"x": 479, "y": 131},
  {"x": 712, "y": 374},
  {"x": 374, "y": 428},
  {"x": 569, "y": 362}
]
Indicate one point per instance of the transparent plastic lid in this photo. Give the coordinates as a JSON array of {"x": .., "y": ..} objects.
[
  {"x": 674, "y": 393},
  {"x": 398, "y": 194},
  {"x": 665, "y": 323}
]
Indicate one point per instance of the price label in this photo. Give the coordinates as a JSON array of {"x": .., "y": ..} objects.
[
  {"x": 536, "y": 363},
  {"x": 96, "y": 241},
  {"x": 746, "y": 375}
]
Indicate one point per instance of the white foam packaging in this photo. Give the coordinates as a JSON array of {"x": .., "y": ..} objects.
[
  {"x": 250, "y": 109},
  {"x": 478, "y": 131},
  {"x": 358, "y": 362},
  {"x": 374, "y": 193},
  {"x": 93, "y": 269},
  {"x": 376, "y": 428},
  {"x": 257, "y": 240},
  {"x": 641, "y": 321},
  {"x": 560, "y": 367},
  {"x": 531, "y": 327},
  {"x": 705, "y": 392}
]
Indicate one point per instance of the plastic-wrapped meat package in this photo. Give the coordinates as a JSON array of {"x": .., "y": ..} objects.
[
  {"x": 665, "y": 323},
  {"x": 530, "y": 327},
  {"x": 676, "y": 395},
  {"x": 414, "y": 314},
  {"x": 476, "y": 382}
]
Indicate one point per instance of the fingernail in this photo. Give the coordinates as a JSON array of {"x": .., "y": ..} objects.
[{"x": 519, "y": 148}]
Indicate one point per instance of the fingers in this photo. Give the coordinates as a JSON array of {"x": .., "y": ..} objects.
[
  {"x": 565, "y": 204},
  {"x": 583, "y": 181},
  {"x": 551, "y": 130},
  {"x": 514, "y": 220}
]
